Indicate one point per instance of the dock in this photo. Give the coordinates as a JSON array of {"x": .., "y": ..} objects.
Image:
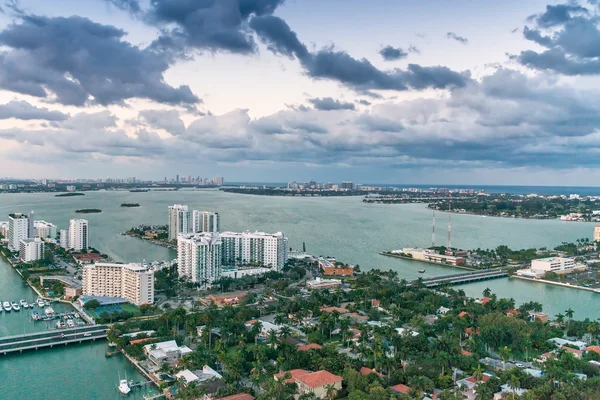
[
  {"x": 50, "y": 339},
  {"x": 465, "y": 277}
]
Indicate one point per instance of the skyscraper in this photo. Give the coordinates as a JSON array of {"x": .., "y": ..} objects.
[
  {"x": 199, "y": 257},
  {"x": 18, "y": 228},
  {"x": 180, "y": 220},
  {"x": 254, "y": 248},
  {"x": 206, "y": 221},
  {"x": 30, "y": 225},
  {"x": 78, "y": 234}
]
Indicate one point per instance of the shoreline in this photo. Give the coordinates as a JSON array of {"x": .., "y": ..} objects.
[
  {"x": 428, "y": 262},
  {"x": 155, "y": 242},
  {"x": 547, "y": 282}
]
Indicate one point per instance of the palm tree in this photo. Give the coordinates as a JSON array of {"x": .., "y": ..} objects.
[
  {"x": 505, "y": 355},
  {"x": 285, "y": 332},
  {"x": 569, "y": 313},
  {"x": 513, "y": 384},
  {"x": 478, "y": 373},
  {"x": 330, "y": 393},
  {"x": 487, "y": 292},
  {"x": 560, "y": 318}
]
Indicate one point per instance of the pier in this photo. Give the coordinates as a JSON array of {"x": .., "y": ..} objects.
[
  {"x": 63, "y": 337},
  {"x": 464, "y": 277}
]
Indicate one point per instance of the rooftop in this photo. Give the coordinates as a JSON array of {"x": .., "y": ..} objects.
[
  {"x": 319, "y": 379},
  {"x": 400, "y": 388}
]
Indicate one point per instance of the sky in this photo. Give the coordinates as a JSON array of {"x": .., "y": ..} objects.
[{"x": 375, "y": 91}]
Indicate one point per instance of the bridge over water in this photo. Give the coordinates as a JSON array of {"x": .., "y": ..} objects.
[
  {"x": 464, "y": 277},
  {"x": 53, "y": 338}
]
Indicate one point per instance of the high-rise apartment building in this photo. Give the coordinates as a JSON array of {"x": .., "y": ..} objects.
[
  {"x": 347, "y": 185},
  {"x": 219, "y": 180},
  {"x": 254, "y": 248},
  {"x": 31, "y": 249},
  {"x": 180, "y": 220},
  {"x": 199, "y": 257},
  {"x": 64, "y": 238},
  {"x": 129, "y": 281},
  {"x": 78, "y": 234},
  {"x": 18, "y": 228},
  {"x": 597, "y": 233},
  {"x": 206, "y": 221}
]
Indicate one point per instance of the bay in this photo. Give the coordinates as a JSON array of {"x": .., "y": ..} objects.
[{"x": 346, "y": 228}]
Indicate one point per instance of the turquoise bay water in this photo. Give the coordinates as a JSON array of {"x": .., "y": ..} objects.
[{"x": 342, "y": 227}]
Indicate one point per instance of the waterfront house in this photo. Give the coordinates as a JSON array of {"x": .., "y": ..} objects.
[
  {"x": 165, "y": 352},
  {"x": 237, "y": 396},
  {"x": 594, "y": 349},
  {"x": 310, "y": 346}
]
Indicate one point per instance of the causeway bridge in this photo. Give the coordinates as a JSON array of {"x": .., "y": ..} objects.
[
  {"x": 465, "y": 277},
  {"x": 53, "y": 338}
]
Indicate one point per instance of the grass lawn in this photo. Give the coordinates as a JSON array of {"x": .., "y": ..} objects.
[{"x": 113, "y": 308}]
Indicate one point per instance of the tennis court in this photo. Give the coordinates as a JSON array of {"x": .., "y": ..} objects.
[{"x": 112, "y": 308}]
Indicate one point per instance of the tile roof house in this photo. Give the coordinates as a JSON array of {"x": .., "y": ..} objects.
[
  {"x": 401, "y": 389},
  {"x": 577, "y": 353},
  {"x": 368, "y": 371},
  {"x": 341, "y": 310},
  {"x": 512, "y": 313},
  {"x": 316, "y": 383},
  {"x": 595, "y": 349},
  {"x": 310, "y": 346},
  {"x": 238, "y": 396},
  {"x": 463, "y": 314},
  {"x": 470, "y": 384}
]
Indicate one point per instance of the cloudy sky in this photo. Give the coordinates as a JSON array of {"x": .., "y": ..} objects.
[{"x": 372, "y": 91}]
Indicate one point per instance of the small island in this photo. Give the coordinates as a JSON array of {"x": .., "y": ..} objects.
[
  {"x": 70, "y": 194},
  {"x": 88, "y": 211},
  {"x": 130, "y": 205}
]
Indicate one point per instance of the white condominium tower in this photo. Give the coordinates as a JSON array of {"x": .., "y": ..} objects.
[
  {"x": 31, "y": 249},
  {"x": 44, "y": 230},
  {"x": 129, "y": 281},
  {"x": 18, "y": 228},
  {"x": 64, "y": 238},
  {"x": 206, "y": 221},
  {"x": 199, "y": 257},
  {"x": 78, "y": 234},
  {"x": 180, "y": 220},
  {"x": 257, "y": 248}
]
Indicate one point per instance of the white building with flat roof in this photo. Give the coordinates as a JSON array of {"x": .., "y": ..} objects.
[
  {"x": 31, "y": 249},
  {"x": 553, "y": 264},
  {"x": 64, "y": 238},
  {"x": 180, "y": 220},
  {"x": 597, "y": 233},
  {"x": 133, "y": 282},
  {"x": 18, "y": 228},
  {"x": 78, "y": 234},
  {"x": 254, "y": 248},
  {"x": 199, "y": 257},
  {"x": 206, "y": 221},
  {"x": 165, "y": 352}
]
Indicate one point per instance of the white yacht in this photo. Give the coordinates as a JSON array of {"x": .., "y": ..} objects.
[
  {"x": 15, "y": 306},
  {"x": 70, "y": 323},
  {"x": 49, "y": 311},
  {"x": 24, "y": 304},
  {"x": 124, "y": 387},
  {"x": 40, "y": 302},
  {"x": 6, "y": 306}
]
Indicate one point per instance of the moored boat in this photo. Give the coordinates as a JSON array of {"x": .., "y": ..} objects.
[
  {"x": 421, "y": 271},
  {"x": 6, "y": 306},
  {"x": 49, "y": 311},
  {"x": 35, "y": 315},
  {"x": 15, "y": 306},
  {"x": 40, "y": 302},
  {"x": 124, "y": 387}
]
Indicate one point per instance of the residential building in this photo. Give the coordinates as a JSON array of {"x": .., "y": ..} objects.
[
  {"x": 597, "y": 233},
  {"x": 180, "y": 220},
  {"x": 4, "y": 229},
  {"x": 18, "y": 228},
  {"x": 64, "y": 238},
  {"x": 347, "y": 185},
  {"x": 44, "y": 230},
  {"x": 237, "y": 396},
  {"x": 256, "y": 248},
  {"x": 219, "y": 180},
  {"x": 165, "y": 352},
  {"x": 401, "y": 389},
  {"x": 71, "y": 188},
  {"x": 316, "y": 383},
  {"x": 78, "y": 234},
  {"x": 133, "y": 282},
  {"x": 31, "y": 249},
  {"x": 338, "y": 271},
  {"x": 206, "y": 221},
  {"x": 199, "y": 257}
]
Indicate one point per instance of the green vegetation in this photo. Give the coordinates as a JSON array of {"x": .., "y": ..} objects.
[
  {"x": 427, "y": 361},
  {"x": 113, "y": 313},
  {"x": 88, "y": 211},
  {"x": 70, "y": 194},
  {"x": 130, "y": 205},
  {"x": 92, "y": 304}
]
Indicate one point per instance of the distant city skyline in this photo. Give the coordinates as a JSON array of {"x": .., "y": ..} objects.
[{"x": 273, "y": 91}]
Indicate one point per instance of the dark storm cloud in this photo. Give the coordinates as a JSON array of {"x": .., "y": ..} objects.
[
  {"x": 558, "y": 14},
  {"x": 75, "y": 61},
  {"x": 25, "y": 111},
  {"x": 215, "y": 25},
  {"x": 340, "y": 66},
  {"x": 328, "y": 104},
  {"x": 572, "y": 38},
  {"x": 454, "y": 36},
  {"x": 390, "y": 53}
]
